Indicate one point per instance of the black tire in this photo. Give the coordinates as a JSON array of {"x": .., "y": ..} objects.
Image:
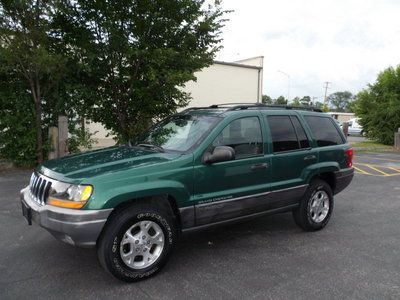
[
  {"x": 108, "y": 245},
  {"x": 302, "y": 215}
]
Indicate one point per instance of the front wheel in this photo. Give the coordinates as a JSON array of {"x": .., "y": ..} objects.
[
  {"x": 315, "y": 207},
  {"x": 137, "y": 242}
]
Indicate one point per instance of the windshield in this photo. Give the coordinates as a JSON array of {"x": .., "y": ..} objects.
[{"x": 178, "y": 133}]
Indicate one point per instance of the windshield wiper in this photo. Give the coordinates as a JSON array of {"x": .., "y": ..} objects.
[{"x": 155, "y": 147}]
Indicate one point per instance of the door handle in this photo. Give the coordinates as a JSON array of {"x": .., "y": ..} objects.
[
  {"x": 259, "y": 166},
  {"x": 309, "y": 157}
]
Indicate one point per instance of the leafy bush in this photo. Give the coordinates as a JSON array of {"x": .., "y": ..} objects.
[
  {"x": 17, "y": 127},
  {"x": 378, "y": 106},
  {"x": 80, "y": 139}
]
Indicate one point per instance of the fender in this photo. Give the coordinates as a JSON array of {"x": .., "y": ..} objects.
[
  {"x": 330, "y": 166},
  {"x": 118, "y": 195},
  {"x": 309, "y": 172},
  {"x": 316, "y": 169}
]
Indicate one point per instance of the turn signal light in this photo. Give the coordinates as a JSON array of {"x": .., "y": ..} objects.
[{"x": 66, "y": 203}]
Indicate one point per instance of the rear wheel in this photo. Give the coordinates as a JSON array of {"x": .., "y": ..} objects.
[
  {"x": 315, "y": 207},
  {"x": 137, "y": 242}
]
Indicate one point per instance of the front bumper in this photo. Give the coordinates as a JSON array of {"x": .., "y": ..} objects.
[{"x": 76, "y": 227}]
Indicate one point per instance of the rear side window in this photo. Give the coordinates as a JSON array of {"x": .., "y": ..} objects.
[
  {"x": 301, "y": 134},
  {"x": 283, "y": 133},
  {"x": 324, "y": 131}
]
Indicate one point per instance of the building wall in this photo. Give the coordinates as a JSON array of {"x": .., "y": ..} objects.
[
  {"x": 225, "y": 83},
  {"x": 342, "y": 116},
  {"x": 257, "y": 61},
  {"x": 101, "y": 135}
]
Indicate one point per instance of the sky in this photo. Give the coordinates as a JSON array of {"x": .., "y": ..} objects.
[{"x": 345, "y": 42}]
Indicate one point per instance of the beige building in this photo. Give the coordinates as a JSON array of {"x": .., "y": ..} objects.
[
  {"x": 342, "y": 116},
  {"x": 222, "y": 82},
  {"x": 226, "y": 82}
]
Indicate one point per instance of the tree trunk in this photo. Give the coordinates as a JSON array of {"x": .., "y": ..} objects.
[
  {"x": 39, "y": 135},
  {"x": 35, "y": 89},
  {"x": 122, "y": 119},
  {"x": 124, "y": 127}
]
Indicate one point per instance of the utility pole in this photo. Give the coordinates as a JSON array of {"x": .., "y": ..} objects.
[{"x": 326, "y": 85}]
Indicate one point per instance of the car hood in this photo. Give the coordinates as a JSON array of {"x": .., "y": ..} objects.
[{"x": 93, "y": 163}]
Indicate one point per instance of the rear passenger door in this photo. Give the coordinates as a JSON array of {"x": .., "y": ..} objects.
[{"x": 291, "y": 156}]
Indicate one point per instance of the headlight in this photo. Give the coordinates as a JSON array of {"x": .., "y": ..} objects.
[{"x": 69, "y": 196}]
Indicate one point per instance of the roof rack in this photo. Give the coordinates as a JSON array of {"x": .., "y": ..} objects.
[{"x": 242, "y": 106}]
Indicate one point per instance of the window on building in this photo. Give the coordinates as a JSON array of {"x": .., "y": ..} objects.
[
  {"x": 324, "y": 131},
  {"x": 243, "y": 135}
]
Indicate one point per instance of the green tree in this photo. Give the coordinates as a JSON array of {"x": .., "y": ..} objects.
[
  {"x": 340, "y": 100},
  {"x": 280, "y": 101},
  {"x": 27, "y": 55},
  {"x": 318, "y": 104},
  {"x": 378, "y": 106},
  {"x": 352, "y": 106},
  {"x": 137, "y": 55},
  {"x": 296, "y": 101},
  {"x": 267, "y": 99},
  {"x": 17, "y": 118},
  {"x": 306, "y": 101}
]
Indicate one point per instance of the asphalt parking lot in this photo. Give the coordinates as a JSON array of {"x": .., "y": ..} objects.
[{"x": 357, "y": 256}]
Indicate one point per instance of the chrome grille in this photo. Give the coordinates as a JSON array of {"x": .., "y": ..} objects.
[{"x": 39, "y": 188}]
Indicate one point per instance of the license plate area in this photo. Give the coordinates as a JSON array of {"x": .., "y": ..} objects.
[{"x": 27, "y": 212}]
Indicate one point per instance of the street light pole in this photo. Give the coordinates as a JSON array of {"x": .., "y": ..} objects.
[
  {"x": 288, "y": 92},
  {"x": 326, "y": 86}
]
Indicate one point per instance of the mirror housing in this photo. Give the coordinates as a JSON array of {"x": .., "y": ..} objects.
[{"x": 219, "y": 154}]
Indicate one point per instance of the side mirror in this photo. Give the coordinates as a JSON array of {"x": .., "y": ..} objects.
[{"x": 219, "y": 154}]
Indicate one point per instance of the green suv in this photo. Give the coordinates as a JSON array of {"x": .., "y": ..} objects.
[{"x": 201, "y": 167}]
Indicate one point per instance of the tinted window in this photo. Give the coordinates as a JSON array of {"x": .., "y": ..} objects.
[
  {"x": 243, "y": 135},
  {"x": 324, "y": 131},
  {"x": 301, "y": 134},
  {"x": 283, "y": 134}
]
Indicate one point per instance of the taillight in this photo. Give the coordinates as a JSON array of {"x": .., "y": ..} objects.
[{"x": 349, "y": 153}]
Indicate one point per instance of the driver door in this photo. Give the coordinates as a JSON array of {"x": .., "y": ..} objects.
[{"x": 229, "y": 189}]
